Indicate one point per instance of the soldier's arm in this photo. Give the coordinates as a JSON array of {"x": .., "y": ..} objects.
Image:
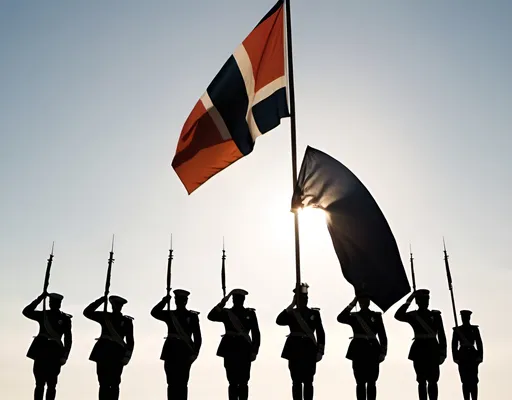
[
  {"x": 196, "y": 332},
  {"x": 402, "y": 314},
  {"x": 441, "y": 336},
  {"x": 158, "y": 310},
  {"x": 455, "y": 345},
  {"x": 320, "y": 333},
  {"x": 216, "y": 314},
  {"x": 345, "y": 317},
  {"x": 30, "y": 310},
  {"x": 479, "y": 344},
  {"x": 130, "y": 341},
  {"x": 283, "y": 319},
  {"x": 381, "y": 332},
  {"x": 68, "y": 338},
  {"x": 90, "y": 311},
  {"x": 255, "y": 333}
]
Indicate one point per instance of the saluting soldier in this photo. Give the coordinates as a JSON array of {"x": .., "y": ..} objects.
[
  {"x": 466, "y": 356},
  {"x": 368, "y": 347},
  {"x": 182, "y": 344},
  {"x": 47, "y": 349},
  {"x": 237, "y": 347},
  {"x": 114, "y": 347},
  {"x": 302, "y": 349},
  {"x": 428, "y": 350}
]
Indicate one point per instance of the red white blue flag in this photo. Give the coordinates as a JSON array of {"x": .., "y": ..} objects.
[{"x": 246, "y": 99}]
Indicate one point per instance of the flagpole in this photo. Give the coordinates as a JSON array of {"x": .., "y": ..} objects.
[{"x": 293, "y": 135}]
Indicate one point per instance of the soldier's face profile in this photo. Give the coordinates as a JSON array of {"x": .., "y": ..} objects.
[
  {"x": 423, "y": 301},
  {"x": 117, "y": 307},
  {"x": 465, "y": 318},
  {"x": 55, "y": 304},
  {"x": 238, "y": 300},
  {"x": 303, "y": 300},
  {"x": 364, "y": 303},
  {"x": 181, "y": 301}
]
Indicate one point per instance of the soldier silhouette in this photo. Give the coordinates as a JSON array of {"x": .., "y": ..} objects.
[
  {"x": 428, "y": 351},
  {"x": 47, "y": 349},
  {"x": 237, "y": 348},
  {"x": 179, "y": 350},
  {"x": 365, "y": 350},
  {"x": 114, "y": 347},
  {"x": 302, "y": 349},
  {"x": 466, "y": 356}
]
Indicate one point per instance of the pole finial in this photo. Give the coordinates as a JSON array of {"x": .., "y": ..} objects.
[
  {"x": 112, "y": 249},
  {"x": 53, "y": 244}
]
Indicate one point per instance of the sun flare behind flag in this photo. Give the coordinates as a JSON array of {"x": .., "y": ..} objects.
[{"x": 246, "y": 99}]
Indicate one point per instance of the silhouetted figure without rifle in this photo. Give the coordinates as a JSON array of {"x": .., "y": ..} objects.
[
  {"x": 365, "y": 350},
  {"x": 114, "y": 347},
  {"x": 47, "y": 349},
  {"x": 302, "y": 349},
  {"x": 237, "y": 348},
  {"x": 180, "y": 350},
  {"x": 428, "y": 351},
  {"x": 466, "y": 356}
]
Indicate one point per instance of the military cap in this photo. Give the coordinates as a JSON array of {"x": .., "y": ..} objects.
[
  {"x": 55, "y": 296},
  {"x": 422, "y": 292},
  {"x": 466, "y": 312},
  {"x": 240, "y": 292},
  {"x": 117, "y": 299},
  {"x": 303, "y": 288},
  {"x": 181, "y": 293}
]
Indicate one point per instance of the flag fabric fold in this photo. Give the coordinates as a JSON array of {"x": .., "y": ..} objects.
[
  {"x": 363, "y": 241},
  {"x": 247, "y": 98}
]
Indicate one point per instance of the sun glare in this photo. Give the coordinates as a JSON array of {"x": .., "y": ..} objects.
[{"x": 312, "y": 221}]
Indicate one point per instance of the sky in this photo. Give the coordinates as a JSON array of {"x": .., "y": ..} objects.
[{"x": 413, "y": 97}]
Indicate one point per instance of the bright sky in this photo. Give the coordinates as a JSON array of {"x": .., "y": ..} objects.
[{"x": 413, "y": 97}]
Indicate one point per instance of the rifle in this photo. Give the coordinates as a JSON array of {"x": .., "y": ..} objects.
[
  {"x": 450, "y": 285},
  {"x": 47, "y": 277},
  {"x": 109, "y": 273},
  {"x": 223, "y": 270},
  {"x": 169, "y": 265},
  {"x": 412, "y": 270}
]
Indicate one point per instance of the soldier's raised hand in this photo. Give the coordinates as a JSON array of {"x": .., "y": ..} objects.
[{"x": 167, "y": 297}]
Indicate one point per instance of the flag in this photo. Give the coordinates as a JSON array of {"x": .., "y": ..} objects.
[
  {"x": 246, "y": 99},
  {"x": 363, "y": 241}
]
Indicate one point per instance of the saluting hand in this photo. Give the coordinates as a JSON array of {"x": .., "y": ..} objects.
[
  {"x": 411, "y": 297},
  {"x": 167, "y": 297}
]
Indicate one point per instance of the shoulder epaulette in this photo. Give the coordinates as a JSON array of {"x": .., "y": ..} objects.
[
  {"x": 251, "y": 309},
  {"x": 130, "y": 318},
  {"x": 436, "y": 312},
  {"x": 377, "y": 313},
  {"x": 194, "y": 312},
  {"x": 315, "y": 308}
]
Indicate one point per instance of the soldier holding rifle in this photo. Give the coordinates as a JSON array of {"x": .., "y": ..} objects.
[
  {"x": 114, "y": 347},
  {"x": 428, "y": 351},
  {"x": 237, "y": 347},
  {"x": 47, "y": 349}
]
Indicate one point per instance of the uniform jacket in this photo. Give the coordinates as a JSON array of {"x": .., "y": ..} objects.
[
  {"x": 183, "y": 332},
  {"x": 238, "y": 323},
  {"x": 116, "y": 340},
  {"x": 369, "y": 340},
  {"x": 464, "y": 339},
  {"x": 429, "y": 337},
  {"x": 53, "y": 325},
  {"x": 301, "y": 343}
]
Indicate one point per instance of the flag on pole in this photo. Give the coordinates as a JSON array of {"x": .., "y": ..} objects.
[
  {"x": 246, "y": 99},
  {"x": 362, "y": 238}
]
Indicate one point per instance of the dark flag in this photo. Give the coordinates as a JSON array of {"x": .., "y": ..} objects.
[{"x": 366, "y": 248}]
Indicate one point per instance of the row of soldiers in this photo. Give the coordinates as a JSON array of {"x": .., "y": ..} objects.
[{"x": 240, "y": 344}]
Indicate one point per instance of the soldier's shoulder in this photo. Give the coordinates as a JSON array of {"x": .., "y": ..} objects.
[
  {"x": 315, "y": 308},
  {"x": 436, "y": 312},
  {"x": 252, "y": 310},
  {"x": 193, "y": 312},
  {"x": 128, "y": 317},
  {"x": 69, "y": 316},
  {"x": 377, "y": 313}
]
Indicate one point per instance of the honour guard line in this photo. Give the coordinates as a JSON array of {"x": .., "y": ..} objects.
[{"x": 249, "y": 96}]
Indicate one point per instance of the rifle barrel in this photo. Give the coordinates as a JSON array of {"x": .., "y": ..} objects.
[{"x": 450, "y": 283}]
